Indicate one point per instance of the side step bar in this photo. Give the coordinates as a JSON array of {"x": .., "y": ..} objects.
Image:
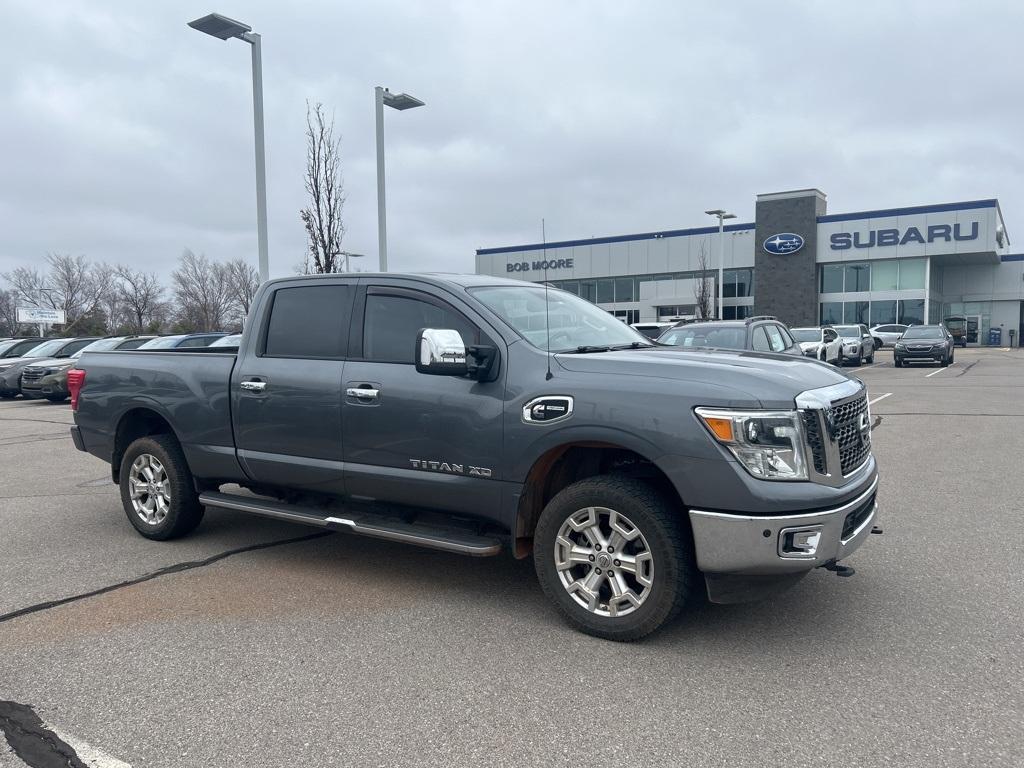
[{"x": 361, "y": 523}]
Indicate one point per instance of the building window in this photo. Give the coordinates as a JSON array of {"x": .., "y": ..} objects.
[
  {"x": 883, "y": 276},
  {"x": 624, "y": 289},
  {"x": 572, "y": 286},
  {"x": 831, "y": 312},
  {"x": 858, "y": 277},
  {"x": 628, "y": 316},
  {"x": 605, "y": 291},
  {"x": 855, "y": 312},
  {"x": 912, "y": 274},
  {"x": 912, "y": 312},
  {"x": 832, "y": 278},
  {"x": 736, "y": 282},
  {"x": 588, "y": 290},
  {"x": 680, "y": 310},
  {"x": 883, "y": 312},
  {"x": 741, "y": 312},
  {"x": 744, "y": 282}
]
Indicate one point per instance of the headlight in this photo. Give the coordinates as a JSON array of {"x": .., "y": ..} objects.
[
  {"x": 900, "y": 345},
  {"x": 768, "y": 444},
  {"x": 5, "y": 367}
]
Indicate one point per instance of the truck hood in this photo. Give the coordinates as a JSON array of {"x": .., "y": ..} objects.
[{"x": 773, "y": 380}]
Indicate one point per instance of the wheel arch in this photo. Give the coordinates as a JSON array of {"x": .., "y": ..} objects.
[
  {"x": 568, "y": 462},
  {"x": 138, "y": 421}
]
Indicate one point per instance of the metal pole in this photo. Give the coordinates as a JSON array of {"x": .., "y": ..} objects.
[
  {"x": 927, "y": 288},
  {"x": 382, "y": 227},
  {"x": 261, "y": 160},
  {"x": 721, "y": 264}
]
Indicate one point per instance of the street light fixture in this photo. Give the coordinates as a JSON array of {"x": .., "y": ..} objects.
[
  {"x": 224, "y": 28},
  {"x": 400, "y": 101},
  {"x": 349, "y": 255},
  {"x": 722, "y": 216}
]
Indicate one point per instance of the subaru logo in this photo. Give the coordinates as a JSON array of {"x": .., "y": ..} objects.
[{"x": 783, "y": 243}]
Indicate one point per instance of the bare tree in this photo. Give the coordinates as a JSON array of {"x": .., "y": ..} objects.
[
  {"x": 704, "y": 287},
  {"x": 70, "y": 283},
  {"x": 8, "y": 313},
  {"x": 140, "y": 295},
  {"x": 322, "y": 218},
  {"x": 243, "y": 281},
  {"x": 202, "y": 293}
]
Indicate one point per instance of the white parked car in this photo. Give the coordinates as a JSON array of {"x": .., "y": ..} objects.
[
  {"x": 820, "y": 343},
  {"x": 889, "y": 334}
]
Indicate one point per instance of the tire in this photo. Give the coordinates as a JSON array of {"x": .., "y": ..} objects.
[
  {"x": 945, "y": 361},
  {"x": 951, "y": 357},
  {"x": 168, "y": 513},
  {"x": 897, "y": 362},
  {"x": 663, "y": 534},
  {"x": 871, "y": 360},
  {"x": 56, "y": 398},
  {"x": 7, "y": 395},
  {"x": 822, "y": 356}
]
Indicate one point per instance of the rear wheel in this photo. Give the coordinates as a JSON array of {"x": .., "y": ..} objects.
[
  {"x": 157, "y": 490},
  {"x": 615, "y": 556}
]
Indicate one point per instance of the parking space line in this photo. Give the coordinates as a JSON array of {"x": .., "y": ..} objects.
[
  {"x": 940, "y": 370},
  {"x": 880, "y": 397}
]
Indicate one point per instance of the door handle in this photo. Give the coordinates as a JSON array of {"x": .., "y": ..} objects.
[
  {"x": 363, "y": 393},
  {"x": 253, "y": 386}
]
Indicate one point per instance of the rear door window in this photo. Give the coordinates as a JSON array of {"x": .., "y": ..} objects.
[
  {"x": 309, "y": 321},
  {"x": 760, "y": 342},
  {"x": 778, "y": 344}
]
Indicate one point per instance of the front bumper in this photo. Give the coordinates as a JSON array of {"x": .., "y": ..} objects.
[
  {"x": 739, "y": 544},
  {"x": 851, "y": 354},
  {"x": 53, "y": 385},
  {"x": 910, "y": 354}
]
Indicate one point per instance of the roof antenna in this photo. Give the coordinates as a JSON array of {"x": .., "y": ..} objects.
[{"x": 547, "y": 289}]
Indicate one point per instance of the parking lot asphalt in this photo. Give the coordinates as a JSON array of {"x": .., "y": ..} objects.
[{"x": 336, "y": 650}]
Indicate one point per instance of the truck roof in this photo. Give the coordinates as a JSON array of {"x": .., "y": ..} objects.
[{"x": 437, "y": 278}]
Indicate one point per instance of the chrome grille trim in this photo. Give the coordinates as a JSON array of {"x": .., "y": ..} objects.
[{"x": 832, "y": 435}]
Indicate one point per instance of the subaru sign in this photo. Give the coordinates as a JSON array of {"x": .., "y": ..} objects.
[
  {"x": 783, "y": 243},
  {"x": 877, "y": 238}
]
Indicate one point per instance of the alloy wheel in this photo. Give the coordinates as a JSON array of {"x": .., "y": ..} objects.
[
  {"x": 149, "y": 489},
  {"x": 604, "y": 562}
]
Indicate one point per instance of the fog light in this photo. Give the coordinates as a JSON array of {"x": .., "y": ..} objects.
[{"x": 799, "y": 542}]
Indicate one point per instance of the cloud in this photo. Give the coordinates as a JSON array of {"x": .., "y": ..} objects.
[{"x": 127, "y": 136}]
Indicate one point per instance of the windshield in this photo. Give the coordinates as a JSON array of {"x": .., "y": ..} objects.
[
  {"x": 922, "y": 332},
  {"x": 849, "y": 331},
  {"x": 47, "y": 348},
  {"x": 5, "y": 345},
  {"x": 723, "y": 337},
  {"x": 955, "y": 323},
  {"x": 164, "y": 342},
  {"x": 98, "y": 346},
  {"x": 228, "y": 341},
  {"x": 806, "y": 334},
  {"x": 574, "y": 322}
]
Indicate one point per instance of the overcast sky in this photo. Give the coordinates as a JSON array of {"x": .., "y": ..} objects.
[{"x": 126, "y": 136}]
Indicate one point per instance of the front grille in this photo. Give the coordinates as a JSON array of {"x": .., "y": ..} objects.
[
  {"x": 28, "y": 377},
  {"x": 812, "y": 428},
  {"x": 854, "y": 443},
  {"x": 921, "y": 348},
  {"x": 856, "y": 517}
]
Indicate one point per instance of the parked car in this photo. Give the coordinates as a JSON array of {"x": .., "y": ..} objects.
[
  {"x": 964, "y": 330},
  {"x": 230, "y": 340},
  {"x": 183, "y": 341},
  {"x": 49, "y": 378},
  {"x": 924, "y": 342},
  {"x": 889, "y": 334},
  {"x": 758, "y": 334},
  {"x": 651, "y": 330},
  {"x": 18, "y": 347},
  {"x": 438, "y": 410},
  {"x": 820, "y": 343},
  {"x": 57, "y": 349},
  {"x": 858, "y": 344}
]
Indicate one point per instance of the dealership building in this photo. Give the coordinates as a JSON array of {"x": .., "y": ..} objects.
[{"x": 800, "y": 263}]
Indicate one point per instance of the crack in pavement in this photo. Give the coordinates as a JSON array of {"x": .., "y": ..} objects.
[
  {"x": 28, "y": 439},
  {"x": 165, "y": 571},
  {"x": 966, "y": 369},
  {"x": 32, "y": 741}
]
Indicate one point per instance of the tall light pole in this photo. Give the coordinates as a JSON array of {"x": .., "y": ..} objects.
[
  {"x": 224, "y": 28},
  {"x": 400, "y": 101},
  {"x": 722, "y": 216}
]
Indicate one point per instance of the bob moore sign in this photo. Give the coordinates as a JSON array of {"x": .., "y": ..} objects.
[
  {"x": 41, "y": 315},
  {"x": 540, "y": 266}
]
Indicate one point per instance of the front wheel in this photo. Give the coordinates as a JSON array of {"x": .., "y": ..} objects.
[
  {"x": 616, "y": 557},
  {"x": 157, "y": 490}
]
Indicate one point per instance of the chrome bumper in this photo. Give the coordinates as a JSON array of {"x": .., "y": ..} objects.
[{"x": 741, "y": 544}]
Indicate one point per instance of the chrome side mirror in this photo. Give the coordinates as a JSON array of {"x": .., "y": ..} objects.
[{"x": 441, "y": 352}]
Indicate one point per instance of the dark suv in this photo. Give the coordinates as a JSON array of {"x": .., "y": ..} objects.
[
  {"x": 924, "y": 342},
  {"x": 757, "y": 334}
]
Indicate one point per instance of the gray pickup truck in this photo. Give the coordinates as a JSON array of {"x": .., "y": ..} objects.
[{"x": 465, "y": 413}]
